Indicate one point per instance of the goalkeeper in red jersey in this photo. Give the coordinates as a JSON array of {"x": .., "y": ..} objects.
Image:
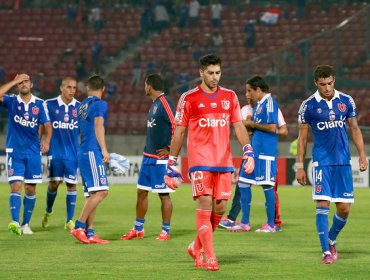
[{"x": 207, "y": 111}]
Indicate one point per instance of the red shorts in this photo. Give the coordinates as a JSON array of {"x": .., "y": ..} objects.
[{"x": 216, "y": 184}]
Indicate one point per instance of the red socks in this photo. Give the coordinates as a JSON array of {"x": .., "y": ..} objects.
[{"x": 205, "y": 231}]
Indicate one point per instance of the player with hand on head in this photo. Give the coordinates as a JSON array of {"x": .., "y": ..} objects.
[
  {"x": 207, "y": 111},
  {"x": 62, "y": 156},
  {"x": 327, "y": 112},
  {"x": 160, "y": 125},
  {"x": 26, "y": 113},
  {"x": 92, "y": 157}
]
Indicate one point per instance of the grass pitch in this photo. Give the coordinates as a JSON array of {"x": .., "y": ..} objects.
[{"x": 293, "y": 253}]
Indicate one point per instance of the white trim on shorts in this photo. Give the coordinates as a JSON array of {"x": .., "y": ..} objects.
[
  {"x": 248, "y": 181},
  {"x": 70, "y": 181},
  {"x": 162, "y": 161},
  {"x": 149, "y": 189},
  {"x": 33, "y": 181},
  {"x": 15, "y": 178}
]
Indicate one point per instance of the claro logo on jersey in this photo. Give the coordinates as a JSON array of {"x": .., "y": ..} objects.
[
  {"x": 332, "y": 124},
  {"x": 209, "y": 122},
  {"x": 63, "y": 125},
  {"x": 24, "y": 122}
]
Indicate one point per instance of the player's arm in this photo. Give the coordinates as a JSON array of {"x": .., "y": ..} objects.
[
  {"x": 282, "y": 130},
  {"x": 269, "y": 127},
  {"x": 47, "y": 130},
  {"x": 173, "y": 175},
  {"x": 302, "y": 146},
  {"x": 243, "y": 139},
  {"x": 17, "y": 80},
  {"x": 359, "y": 142},
  {"x": 100, "y": 136}
]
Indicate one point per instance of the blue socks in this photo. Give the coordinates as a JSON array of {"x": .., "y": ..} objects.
[
  {"x": 71, "y": 204},
  {"x": 28, "y": 206},
  {"x": 50, "y": 198},
  {"x": 245, "y": 201},
  {"x": 139, "y": 224},
  {"x": 166, "y": 227},
  {"x": 322, "y": 226},
  {"x": 90, "y": 232},
  {"x": 270, "y": 205},
  {"x": 15, "y": 205},
  {"x": 338, "y": 224},
  {"x": 79, "y": 224}
]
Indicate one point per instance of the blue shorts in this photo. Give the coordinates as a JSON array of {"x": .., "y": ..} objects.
[
  {"x": 25, "y": 168},
  {"x": 332, "y": 183},
  {"x": 92, "y": 168},
  {"x": 62, "y": 169},
  {"x": 151, "y": 175},
  {"x": 264, "y": 172}
]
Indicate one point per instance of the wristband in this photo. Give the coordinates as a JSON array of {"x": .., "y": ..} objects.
[
  {"x": 172, "y": 160},
  {"x": 299, "y": 165}
]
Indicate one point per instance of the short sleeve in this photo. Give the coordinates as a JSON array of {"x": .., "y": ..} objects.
[
  {"x": 101, "y": 109},
  {"x": 183, "y": 112},
  {"x": 44, "y": 113},
  {"x": 236, "y": 115},
  {"x": 352, "y": 112}
]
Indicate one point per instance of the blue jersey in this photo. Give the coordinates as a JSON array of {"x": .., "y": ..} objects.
[
  {"x": 23, "y": 124},
  {"x": 160, "y": 125},
  {"x": 89, "y": 109},
  {"x": 64, "y": 120},
  {"x": 328, "y": 124},
  {"x": 265, "y": 112}
]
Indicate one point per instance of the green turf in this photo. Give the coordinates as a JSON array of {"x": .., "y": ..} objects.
[{"x": 293, "y": 253}]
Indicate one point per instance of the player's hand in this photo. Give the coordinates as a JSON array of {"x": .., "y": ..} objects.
[
  {"x": 363, "y": 163},
  {"x": 45, "y": 146},
  {"x": 163, "y": 152},
  {"x": 173, "y": 175},
  {"x": 19, "y": 78},
  {"x": 106, "y": 156},
  {"x": 248, "y": 156},
  {"x": 301, "y": 176}
]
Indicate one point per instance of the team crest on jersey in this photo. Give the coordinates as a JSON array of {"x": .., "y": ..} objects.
[
  {"x": 319, "y": 110},
  {"x": 214, "y": 105},
  {"x": 74, "y": 113},
  {"x": 10, "y": 172},
  {"x": 155, "y": 109},
  {"x": 342, "y": 107},
  {"x": 103, "y": 181},
  {"x": 317, "y": 189},
  {"x": 35, "y": 110},
  {"x": 26, "y": 116},
  {"x": 225, "y": 104},
  {"x": 331, "y": 115}
]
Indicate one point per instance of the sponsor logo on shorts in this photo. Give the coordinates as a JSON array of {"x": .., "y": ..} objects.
[
  {"x": 348, "y": 194},
  {"x": 225, "y": 193},
  {"x": 37, "y": 176},
  {"x": 317, "y": 189},
  {"x": 160, "y": 186},
  {"x": 71, "y": 177},
  {"x": 260, "y": 178}
]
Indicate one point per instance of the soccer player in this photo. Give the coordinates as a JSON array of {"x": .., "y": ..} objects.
[
  {"x": 208, "y": 110},
  {"x": 264, "y": 124},
  {"x": 62, "y": 156},
  {"x": 229, "y": 222},
  {"x": 327, "y": 112},
  {"x": 92, "y": 154},
  {"x": 26, "y": 113},
  {"x": 160, "y": 125}
]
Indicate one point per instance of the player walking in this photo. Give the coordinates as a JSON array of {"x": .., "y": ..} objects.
[
  {"x": 327, "y": 112},
  {"x": 208, "y": 110}
]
